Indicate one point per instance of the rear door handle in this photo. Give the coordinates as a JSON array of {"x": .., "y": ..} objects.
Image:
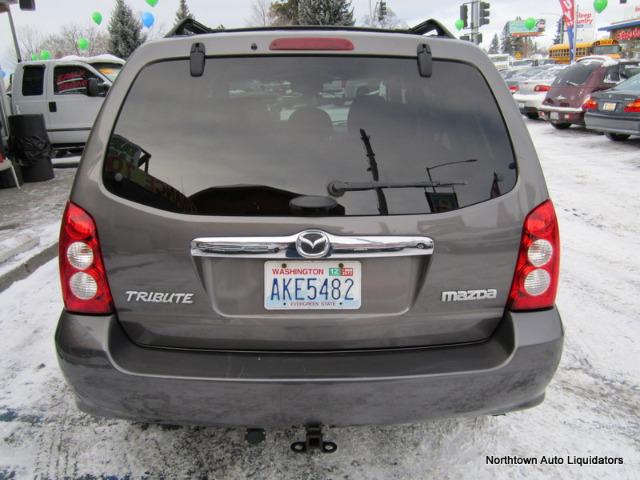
[{"x": 53, "y": 108}]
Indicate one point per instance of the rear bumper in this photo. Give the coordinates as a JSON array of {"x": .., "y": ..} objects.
[
  {"x": 606, "y": 124},
  {"x": 562, "y": 115},
  {"x": 113, "y": 377}
]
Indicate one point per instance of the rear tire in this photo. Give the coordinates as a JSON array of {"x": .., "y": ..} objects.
[
  {"x": 561, "y": 126},
  {"x": 532, "y": 115},
  {"x": 617, "y": 137}
]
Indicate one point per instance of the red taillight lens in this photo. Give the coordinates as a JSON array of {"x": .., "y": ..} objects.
[
  {"x": 513, "y": 88},
  {"x": 84, "y": 280},
  {"x": 633, "y": 106},
  {"x": 311, "y": 43},
  {"x": 535, "y": 282},
  {"x": 590, "y": 104},
  {"x": 541, "y": 88}
]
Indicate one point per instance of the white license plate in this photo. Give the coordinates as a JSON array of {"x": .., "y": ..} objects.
[
  {"x": 554, "y": 116},
  {"x": 316, "y": 285},
  {"x": 609, "y": 107}
]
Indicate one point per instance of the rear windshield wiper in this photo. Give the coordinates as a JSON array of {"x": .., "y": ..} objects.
[{"x": 338, "y": 188}]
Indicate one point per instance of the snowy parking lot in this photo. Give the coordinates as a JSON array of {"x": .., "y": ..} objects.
[{"x": 588, "y": 426}]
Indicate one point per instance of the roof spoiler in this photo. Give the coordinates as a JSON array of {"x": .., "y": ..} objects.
[
  {"x": 187, "y": 27},
  {"x": 429, "y": 26}
]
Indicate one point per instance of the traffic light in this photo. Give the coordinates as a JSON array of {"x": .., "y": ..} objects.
[
  {"x": 464, "y": 14},
  {"x": 382, "y": 12},
  {"x": 484, "y": 13}
]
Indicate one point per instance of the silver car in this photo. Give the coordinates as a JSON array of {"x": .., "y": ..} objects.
[
  {"x": 240, "y": 250},
  {"x": 530, "y": 93}
]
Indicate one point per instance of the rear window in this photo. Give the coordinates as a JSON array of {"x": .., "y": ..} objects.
[
  {"x": 577, "y": 74},
  {"x": 252, "y": 134}
]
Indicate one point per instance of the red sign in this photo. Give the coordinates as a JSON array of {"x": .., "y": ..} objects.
[
  {"x": 628, "y": 34},
  {"x": 569, "y": 12}
]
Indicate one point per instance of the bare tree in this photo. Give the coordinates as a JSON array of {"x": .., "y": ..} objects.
[
  {"x": 388, "y": 21},
  {"x": 66, "y": 42},
  {"x": 261, "y": 14}
]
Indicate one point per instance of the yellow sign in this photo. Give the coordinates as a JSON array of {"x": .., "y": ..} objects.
[{"x": 518, "y": 55}]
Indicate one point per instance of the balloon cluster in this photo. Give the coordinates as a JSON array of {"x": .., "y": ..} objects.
[{"x": 147, "y": 18}]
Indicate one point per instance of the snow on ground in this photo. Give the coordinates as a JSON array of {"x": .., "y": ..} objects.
[{"x": 591, "y": 407}]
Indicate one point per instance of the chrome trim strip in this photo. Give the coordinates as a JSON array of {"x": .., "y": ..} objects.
[
  {"x": 547, "y": 108},
  {"x": 285, "y": 247}
]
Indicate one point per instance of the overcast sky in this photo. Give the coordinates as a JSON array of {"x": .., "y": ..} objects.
[{"x": 50, "y": 15}]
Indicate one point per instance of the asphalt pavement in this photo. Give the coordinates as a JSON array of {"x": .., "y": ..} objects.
[{"x": 30, "y": 222}]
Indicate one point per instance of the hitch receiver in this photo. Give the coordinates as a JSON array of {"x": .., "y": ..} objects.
[{"x": 314, "y": 441}]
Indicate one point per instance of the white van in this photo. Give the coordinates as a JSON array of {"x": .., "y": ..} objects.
[
  {"x": 502, "y": 61},
  {"x": 61, "y": 91}
]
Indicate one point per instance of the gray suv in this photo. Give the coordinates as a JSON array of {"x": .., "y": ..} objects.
[{"x": 239, "y": 249}]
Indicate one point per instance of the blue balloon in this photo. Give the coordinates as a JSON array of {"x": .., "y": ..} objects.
[
  {"x": 4, "y": 74},
  {"x": 147, "y": 19}
]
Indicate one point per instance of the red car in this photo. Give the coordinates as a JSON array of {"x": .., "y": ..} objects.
[{"x": 563, "y": 103}]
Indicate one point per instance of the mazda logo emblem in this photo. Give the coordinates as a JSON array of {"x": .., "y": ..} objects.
[{"x": 313, "y": 244}]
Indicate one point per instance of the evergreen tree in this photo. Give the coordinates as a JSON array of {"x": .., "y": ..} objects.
[
  {"x": 285, "y": 12},
  {"x": 495, "y": 45},
  {"x": 325, "y": 12},
  {"x": 124, "y": 31},
  {"x": 559, "y": 32},
  {"x": 506, "y": 43},
  {"x": 183, "y": 11}
]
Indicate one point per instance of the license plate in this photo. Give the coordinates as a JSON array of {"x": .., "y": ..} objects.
[
  {"x": 609, "y": 107},
  {"x": 318, "y": 285},
  {"x": 521, "y": 105},
  {"x": 554, "y": 116}
]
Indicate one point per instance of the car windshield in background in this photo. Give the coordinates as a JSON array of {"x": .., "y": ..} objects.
[
  {"x": 549, "y": 73},
  {"x": 109, "y": 70},
  {"x": 629, "y": 70},
  {"x": 251, "y": 135}
]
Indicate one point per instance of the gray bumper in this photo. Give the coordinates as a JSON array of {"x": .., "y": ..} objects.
[
  {"x": 630, "y": 126},
  {"x": 114, "y": 377}
]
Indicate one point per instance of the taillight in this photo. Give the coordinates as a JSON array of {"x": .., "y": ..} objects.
[
  {"x": 535, "y": 281},
  {"x": 84, "y": 280},
  {"x": 590, "y": 104},
  {"x": 541, "y": 88},
  {"x": 513, "y": 88},
  {"x": 311, "y": 43},
  {"x": 633, "y": 106}
]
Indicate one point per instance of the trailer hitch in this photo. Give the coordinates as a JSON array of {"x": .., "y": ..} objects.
[{"x": 314, "y": 441}]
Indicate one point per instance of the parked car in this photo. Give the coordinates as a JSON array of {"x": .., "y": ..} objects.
[
  {"x": 525, "y": 62},
  {"x": 563, "y": 103},
  {"x": 615, "y": 112},
  {"x": 246, "y": 261},
  {"x": 522, "y": 74},
  {"x": 530, "y": 93}
]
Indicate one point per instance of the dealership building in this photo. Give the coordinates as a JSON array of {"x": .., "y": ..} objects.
[{"x": 627, "y": 32}]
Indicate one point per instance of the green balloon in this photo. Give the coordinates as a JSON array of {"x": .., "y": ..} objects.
[
  {"x": 97, "y": 17},
  {"x": 83, "y": 43},
  {"x": 459, "y": 24},
  {"x": 45, "y": 55},
  {"x": 530, "y": 23},
  {"x": 34, "y": 56},
  {"x": 600, "y": 5},
  {"x": 152, "y": 2}
]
